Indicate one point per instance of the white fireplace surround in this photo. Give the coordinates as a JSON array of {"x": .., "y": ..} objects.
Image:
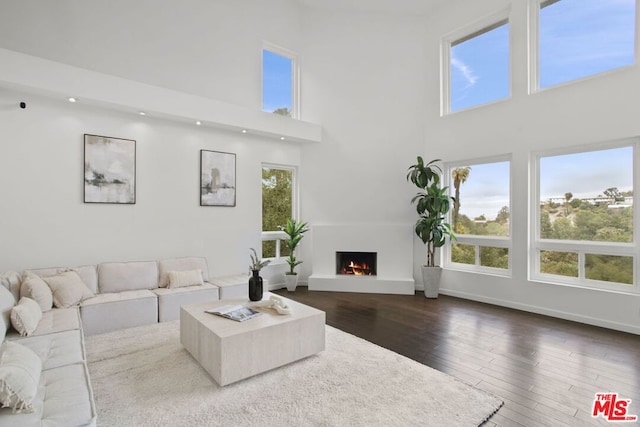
[{"x": 392, "y": 242}]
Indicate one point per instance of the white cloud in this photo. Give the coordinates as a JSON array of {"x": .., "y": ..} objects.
[{"x": 466, "y": 72}]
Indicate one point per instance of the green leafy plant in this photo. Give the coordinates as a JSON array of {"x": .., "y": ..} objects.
[
  {"x": 432, "y": 204},
  {"x": 295, "y": 231},
  {"x": 256, "y": 262}
]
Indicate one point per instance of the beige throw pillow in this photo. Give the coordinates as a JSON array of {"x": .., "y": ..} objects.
[
  {"x": 68, "y": 289},
  {"x": 25, "y": 316},
  {"x": 20, "y": 370},
  {"x": 178, "y": 279},
  {"x": 35, "y": 288}
]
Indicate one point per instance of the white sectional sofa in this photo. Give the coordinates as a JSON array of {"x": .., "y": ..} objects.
[
  {"x": 125, "y": 294},
  {"x": 63, "y": 394},
  {"x": 129, "y": 294}
]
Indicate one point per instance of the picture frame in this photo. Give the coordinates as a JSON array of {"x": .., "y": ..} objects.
[
  {"x": 109, "y": 170},
  {"x": 217, "y": 178}
]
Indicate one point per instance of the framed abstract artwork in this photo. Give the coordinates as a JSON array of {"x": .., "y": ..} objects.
[
  {"x": 109, "y": 170},
  {"x": 217, "y": 178}
]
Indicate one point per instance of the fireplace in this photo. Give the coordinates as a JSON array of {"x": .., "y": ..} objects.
[
  {"x": 356, "y": 263},
  {"x": 390, "y": 258}
]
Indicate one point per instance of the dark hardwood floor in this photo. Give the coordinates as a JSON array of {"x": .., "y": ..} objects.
[{"x": 546, "y": 370}]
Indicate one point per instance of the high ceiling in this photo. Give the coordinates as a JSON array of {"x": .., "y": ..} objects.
[{"x": 387, "y": 6}]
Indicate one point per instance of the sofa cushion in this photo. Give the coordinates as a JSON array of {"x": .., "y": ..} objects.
[
  {"x": 58, "y": 320},
  {"x": 236, "y": 286},
  {"x": 64, "y": 398},
  {"x": 127, "y": 276},
  {"x": 25, "y": 316},
  {"x": 7, "y": 301},
  {"x": 68, "y": 289},
  {"x": 116, "y": 297},
  {"x": 87, "y": 273},
  {"x": 108, "y": 312},
  {"x": 11, "y": 281},
  {"x": 20, "y": 370},
  {"x": 170, "y": 300},
  {"x": 179, "y": 279},
  {"x": 58, "y": 349},
  {"x": 37, "y": 289},
  {"x": 182, "y": 264}
]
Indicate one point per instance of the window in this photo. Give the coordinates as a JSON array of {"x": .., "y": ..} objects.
[
  {"x": 580, "y": 38},
  {"x": 278, "y": 204},
  {"x": 584, "y": 232},
  {"x": 476, "y": 64},
  {"x": 279, "y": 81},
  {"x": 480, "y": 215}
]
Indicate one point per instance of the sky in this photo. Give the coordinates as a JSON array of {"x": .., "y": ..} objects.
[
  {"x": 586, "y": 174},
  {"x": 480, "y": 69},
  {"x": 569, "y": 49},
  {"x": 486, "y": 190},
  {"x": 276, "y": 81},
  {"x": 578, "y": 38}
]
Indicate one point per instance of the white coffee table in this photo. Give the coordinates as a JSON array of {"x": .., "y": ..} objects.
[{"x": 231, "y": 351}]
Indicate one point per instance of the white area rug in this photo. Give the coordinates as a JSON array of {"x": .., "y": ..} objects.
[{"x": 144, "y": 377}]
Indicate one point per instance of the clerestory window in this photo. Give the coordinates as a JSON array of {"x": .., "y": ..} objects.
[
  {"x": 580, "y": 38},
  {"x": 280, "y": 81},
  {"x": 476, "y": 65}
]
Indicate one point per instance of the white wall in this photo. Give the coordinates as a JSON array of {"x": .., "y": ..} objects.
[
  {"x": 204, "y": 47},
  {"x": 45, "y": 223},
  {"x": 208, "y": 48},
  {"x": 599, "y": 109},
  {"x": 364, "y": 80}
]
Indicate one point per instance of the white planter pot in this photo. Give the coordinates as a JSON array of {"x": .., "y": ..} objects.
[
  {"x": 431, "y": 280},
  {"x": 292, "y": 281}
]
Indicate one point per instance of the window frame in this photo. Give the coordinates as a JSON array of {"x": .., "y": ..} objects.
[
  {"x": 295, "y": 75},
  {"x": 276, "y": 235},
  {"x": 468, "y": 32},
  {"x": 582, "y": 247},
  {"x": 478, "y": 240},
  {"x": 534, "y": 49}
]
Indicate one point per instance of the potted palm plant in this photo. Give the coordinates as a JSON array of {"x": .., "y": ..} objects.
[
  {"x": 432, "y": 204},
  {"x": 295, "y": 232}
]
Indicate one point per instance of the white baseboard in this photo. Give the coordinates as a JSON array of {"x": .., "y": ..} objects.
[{"x": 632, "y": 329}]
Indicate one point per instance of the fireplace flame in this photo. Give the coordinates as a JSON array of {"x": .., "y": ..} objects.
[{"x": 357, "y": 269}]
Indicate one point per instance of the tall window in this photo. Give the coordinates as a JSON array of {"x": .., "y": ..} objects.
[
  {"x": 278, "y": 204},
  {"x": 579, "y": 38},
  {"x": 585, "y": 216},
  {"x": 477, "y": 66},
  {"x": 480, "y": 215},
  {"x": 279, "y": 81}
]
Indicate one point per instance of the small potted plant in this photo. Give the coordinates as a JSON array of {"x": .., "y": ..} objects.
[
  {"x": 432, "y": 204},
  {"x": 255, "y": 281},
  {"x": 295, "y": 232}
]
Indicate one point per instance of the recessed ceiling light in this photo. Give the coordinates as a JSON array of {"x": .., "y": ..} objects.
[
  {"x": 282, "y": 138},
  {"x": 72, "y": 99},
  {"x": 142, "y": 113},
  {"x": 198, "y": 122},
  {"x": 244, "y": 131}
]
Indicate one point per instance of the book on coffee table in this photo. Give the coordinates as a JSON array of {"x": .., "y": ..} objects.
[{"x": 238, "y": 313}]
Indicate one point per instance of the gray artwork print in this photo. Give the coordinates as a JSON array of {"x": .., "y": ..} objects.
[
  {"x": 217, "y": 178},
  {"x": 109, "y": 170}
]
